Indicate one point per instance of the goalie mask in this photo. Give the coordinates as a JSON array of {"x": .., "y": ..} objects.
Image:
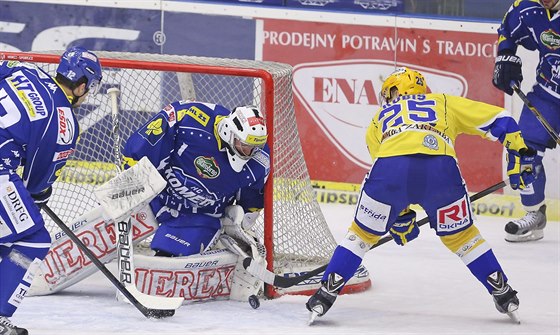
[
  {"x": 405, "y": 81},
  {"x": 244, "y": 134}
]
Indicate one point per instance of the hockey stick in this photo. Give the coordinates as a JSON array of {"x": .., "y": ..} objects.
[
  {"x": 125, "y": 254},
  {"x": 285, "y": 282},
  {"x": 132, "y": 296},
  {"x": 537, "y": 114}
]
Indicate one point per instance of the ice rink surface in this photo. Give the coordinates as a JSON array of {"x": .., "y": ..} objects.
[{"x": 418, "y": 289}]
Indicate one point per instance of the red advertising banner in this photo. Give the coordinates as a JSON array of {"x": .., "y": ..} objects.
[{"x": 338, "y": 73}]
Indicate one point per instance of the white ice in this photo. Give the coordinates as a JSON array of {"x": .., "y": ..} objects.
[{"x": 418, "y": 289}]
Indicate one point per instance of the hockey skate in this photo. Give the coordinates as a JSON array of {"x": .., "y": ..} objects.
[
  {"x": 8, "y": 328},
  {"x": 324, "y": 298},
  {"x": 528, "y": 228},
  {"x": 505, "y": 298}
]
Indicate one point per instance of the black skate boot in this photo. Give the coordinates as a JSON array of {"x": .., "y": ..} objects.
[
  {"x": 8, "y": 328},
  {"x": 324, "y": 298},
  {"x": 528, "y": 228},
  {"x": 505, "y": 298}
]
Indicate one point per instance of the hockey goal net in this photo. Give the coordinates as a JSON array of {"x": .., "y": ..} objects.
[{"x": 292, "y": 225}]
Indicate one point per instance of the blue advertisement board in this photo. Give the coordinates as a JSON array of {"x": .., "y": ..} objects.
[{"x": 36, "y": 26}]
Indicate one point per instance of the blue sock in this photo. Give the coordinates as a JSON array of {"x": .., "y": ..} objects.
[{"x": 344, "y": 262}]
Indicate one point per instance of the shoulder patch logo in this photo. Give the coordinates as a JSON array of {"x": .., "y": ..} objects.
[
  {"x": 66, "y": 129},
  {"x": 153, "y": 131},
  {"x": 207, "y": 167},
  {"x": 154, "y": 127}
]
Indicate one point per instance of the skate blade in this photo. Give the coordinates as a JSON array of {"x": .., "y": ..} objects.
[
  {"x": 533, "y": 235},
  {"x": 514, "y": 316},
  {"x": 512, "y": 313},
  {"x": 312, "y": 318}
]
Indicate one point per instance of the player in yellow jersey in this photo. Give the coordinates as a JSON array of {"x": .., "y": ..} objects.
[{"x": 411, "y": 140}]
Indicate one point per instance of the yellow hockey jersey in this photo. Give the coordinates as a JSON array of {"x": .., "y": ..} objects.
[{"x": 430, "y": 123}]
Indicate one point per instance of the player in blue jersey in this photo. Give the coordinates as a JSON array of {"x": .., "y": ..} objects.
[
  {"x": 411, "y": 140},
  {"x": 38, "y": 131},
  {"x": 211, "y": 158},
  {"x": 534, "y": 25}
]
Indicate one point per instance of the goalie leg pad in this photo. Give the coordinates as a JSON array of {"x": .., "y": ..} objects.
[
  {"x": 65, "y": 264},
  {"x": 206, "y": 276},
  {"x": 244, "y": 284}
]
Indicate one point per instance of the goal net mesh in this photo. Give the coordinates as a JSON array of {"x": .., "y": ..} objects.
[{"x": 297, "y": 235}]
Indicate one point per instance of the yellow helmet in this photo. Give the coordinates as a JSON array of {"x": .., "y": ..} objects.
[{"x": 406, "y": 81}]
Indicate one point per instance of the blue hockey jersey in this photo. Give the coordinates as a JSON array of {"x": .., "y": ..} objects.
[
  {"x": 183, "y": 144},
  {"x": 38, "y": 129},
  {"x": 529, "y": 24}
]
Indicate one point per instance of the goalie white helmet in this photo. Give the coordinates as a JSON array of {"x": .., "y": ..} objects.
[{"x": 244, "y": 134}]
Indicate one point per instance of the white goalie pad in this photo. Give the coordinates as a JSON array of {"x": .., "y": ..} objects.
[
  {"x": 244, "y": 284},
  {"x": 240, "y": 239},
  {"x": 65, "y": 264},
  {"x": 131, "y": 189},
  {"x": 206, "y": 276}
]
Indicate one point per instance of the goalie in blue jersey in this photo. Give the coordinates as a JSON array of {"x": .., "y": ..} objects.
[
  {"x": 38, "y": 131},
  {"x": 411, "y": 140},
  {"x": 212, "y": 159},
  {"x": 534, "y": 25}
]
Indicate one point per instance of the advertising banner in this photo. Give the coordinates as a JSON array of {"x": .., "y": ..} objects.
[{"x": 338, "y": 75}]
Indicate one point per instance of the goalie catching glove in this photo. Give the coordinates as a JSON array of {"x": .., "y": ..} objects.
[
  {"x": 405, "y": 228},
  {"x": 520, "y": 167}
]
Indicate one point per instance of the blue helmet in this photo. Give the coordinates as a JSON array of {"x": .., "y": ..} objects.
[{"x": 77, "y": 62}]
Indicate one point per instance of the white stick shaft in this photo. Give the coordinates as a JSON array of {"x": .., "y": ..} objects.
[{"x": 114, "y": 95}]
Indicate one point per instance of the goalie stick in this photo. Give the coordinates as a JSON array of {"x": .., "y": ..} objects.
[
  {"x": 270, "y": 278},
  {"x": 131, "y": 295},
  {"x": 125, "y": 254},
  {"x": 537, "y": 114}
]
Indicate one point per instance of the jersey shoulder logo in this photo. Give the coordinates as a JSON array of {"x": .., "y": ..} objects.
[
  {"x": 154, "y": 130},
  {"x": 196, "y": 113},
  {"x": 66, "y": 131},
  {"x": 207, "y": 167}
]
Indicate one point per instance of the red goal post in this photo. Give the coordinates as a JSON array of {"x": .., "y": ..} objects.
[{"x": 293, "y": 227}]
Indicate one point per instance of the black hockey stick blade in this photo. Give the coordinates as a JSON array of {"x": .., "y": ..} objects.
[
  {"x": 158, "y": 313},
  {"x": 148, "y": 312},
  {"x": 285, "y": 282}
]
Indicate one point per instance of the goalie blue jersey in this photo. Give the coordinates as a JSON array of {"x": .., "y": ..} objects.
[
  {"x": 183, "y": 144},
  {"x": 38, "y": 129},
  {"x": 529, "y": 24}
]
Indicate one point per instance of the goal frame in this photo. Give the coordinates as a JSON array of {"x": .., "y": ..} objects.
[{"x": 268, "y": 93}]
